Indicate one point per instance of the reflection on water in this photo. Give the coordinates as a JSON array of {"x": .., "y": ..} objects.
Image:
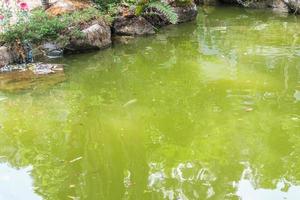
[
  {"x": 247, "y": 192},
  {"x": 16, "y": 184},
  {"x": 283, "y": 190},
  {"x": 171, "y": 116}
]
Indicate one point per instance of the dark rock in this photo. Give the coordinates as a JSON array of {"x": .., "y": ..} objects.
[
  {"x": 15, "y": 53},
  {"x": 132, "y": 25},
  {"x": 52, "y": 50},
  {"x": 157, "y": 19},
  {"x": 21, "y": 52},
  {"x": 293, "y": 6},
  {"x": 186, "y": 13},
  {"x": 97, "y": 35}
]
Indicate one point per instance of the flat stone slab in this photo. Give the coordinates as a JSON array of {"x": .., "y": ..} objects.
[
  {"x": 31, "y": 76},
  {"x": 34, "y": 68}
]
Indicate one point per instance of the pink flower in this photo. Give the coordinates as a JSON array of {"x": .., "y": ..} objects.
[
  {"x": 1, "y": 17},
  {"x": 23, "y": 6}
]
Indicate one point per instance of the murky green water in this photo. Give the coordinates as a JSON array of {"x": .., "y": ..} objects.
[{"x": 204, "y": 110}]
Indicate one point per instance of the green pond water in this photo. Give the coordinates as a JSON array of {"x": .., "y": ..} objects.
[{"x": 204, "y": 110}]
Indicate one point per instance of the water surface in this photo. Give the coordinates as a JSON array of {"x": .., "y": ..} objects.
[{"x": 204, "y": 110}]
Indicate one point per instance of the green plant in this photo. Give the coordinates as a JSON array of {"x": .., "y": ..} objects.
[
  {"x": 158, "y": 6},
  {"x": 38, "y": 26},
  {"x": 105, "y": 5},
  {"x": 41, "y": 26}
]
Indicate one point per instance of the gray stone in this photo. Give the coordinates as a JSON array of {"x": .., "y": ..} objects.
[
  {"x": 44, "y": 68},
  {"x": 52, "y": 50},
  {"x": 279, "y": 6},
  {"x": 97, "y": 35},
  {"x": 293, "y": 6},
  {"x": 35, "y": 68},
  {"x": 5, "y": 56},
  {"x": 132, "y": 25}
]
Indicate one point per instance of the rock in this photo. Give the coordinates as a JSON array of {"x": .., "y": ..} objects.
[
  {"x": 280, "y": 6},
  {"x": 293, "y": 6},
  {"x": 132, "y": 25},
  {"x": 186, "y": 13},
  {"x": 276, "y": 5},
  {"x": 125, "y": 10},
  {"x": 51, "y": 50},
  {"x": 13, "y": 68},
  {"x": 15, "y": 53},
  {"x": 21, "y": 52},
  {"x": 34, "y": 68},
  {"x": 43, "y": 69},
  {"x": 96, "y": 35},
  {"x": 5, "y": 56},
  {"x": 61, "y": 7},
  {"x": 157, "y": 19}
]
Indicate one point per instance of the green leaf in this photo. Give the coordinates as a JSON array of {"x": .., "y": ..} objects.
[{"x": 166, "y": 10}]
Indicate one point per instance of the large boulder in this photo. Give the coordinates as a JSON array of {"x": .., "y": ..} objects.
[
  {"x": 5, "y": 56},
  {"x": 61, "y": 7},
  {"x": 94, "y": 35},
  {"x": 132, "y": 25}
]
